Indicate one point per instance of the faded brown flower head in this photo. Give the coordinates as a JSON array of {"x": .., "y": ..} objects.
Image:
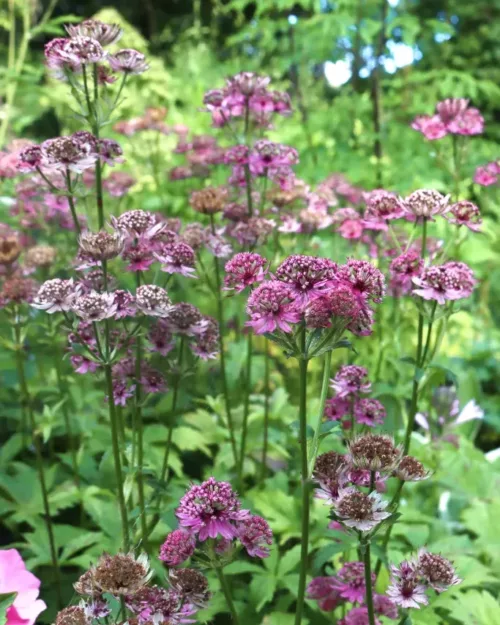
[
  {"x": 374, "y": 452},
  {"x": 194, "y": 235},
  {"x": 19, "y": 290},
  {"x": 359, "y": 510},
  {"x": 85, "y": 585},
  {"x": 329, "y": 465},
  {"x": 209, "y": 201},
  {"x": 73, "y": 615},
  {"x": 411, "y": 470},
  {"x": 437, "y": 571},
  {"x": 121, "y": 574},
  {"x": 10, "y": 249},
  {"x": 190, "y": 584},
  {"x": 101, "y": 245},
  {"x": 40, "y": 256}
]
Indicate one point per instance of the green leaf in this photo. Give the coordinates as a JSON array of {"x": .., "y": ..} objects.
[
  {"x": 6, "y": 600},
  {"x": 262, "y": 589},
  {"x": 289, "y": 561}
]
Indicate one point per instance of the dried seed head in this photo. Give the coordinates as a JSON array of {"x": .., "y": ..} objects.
[
  {"x": 73, "y": 615},
  {"x": 85, "y": 585},
  {"x": 374, "y": 452},
  {"x": 10, "y": 249},
  {"x": 209, "y": 201},
  {"x": 194, "y": 235},
  {"x": 191, "y": 585},
  {"x": 411, "y": 470},
  {"x": 121, "y": 574},
  {"x": 101, "y": 245},
  {"x": 40, "y": 256},
  {"x": 18, "y": 290}
]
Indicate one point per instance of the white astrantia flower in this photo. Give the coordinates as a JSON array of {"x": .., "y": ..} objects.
[{"x": 359, "y": 510}]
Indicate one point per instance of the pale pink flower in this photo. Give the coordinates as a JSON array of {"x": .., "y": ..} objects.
[
  {"x": 271, "y": 306},
  {"x": 322, "y": 589},
  {"x": 244, "y": 269},
  {"x": 350, "y": 582},
  {"x": 432, "y": 127},
  {"x": 465, "y": 213},
  {"x": 350, "y": 380},
  {"x": 256, "y": 536},
  {"x": 442, "y": 283}
]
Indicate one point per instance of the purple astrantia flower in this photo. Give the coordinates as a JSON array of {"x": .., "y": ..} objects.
[
  {"x": 448, "y": 282},
  {"x": 153, "y": 604},
  {"x": 350, "y": 380},
  {"x": 177, "y": 257},
  {"x": 369, "y": 412},
  {"x": 244, "y": 269},
  {"x": 306, "y": 276},
  {"x": 430, "y": 126},
  {"x": 410, "y": 469},
  {"x": 178, "y": 547},
  {"x": 366, "y": 280},
  {"x": 339, "y": 305},
  {"x": 322, "y": 589},
  {"x": 211, "y": 509},
  {"x": 76, "y": 153},
  {"x": 350, "y": 582},
  {"x": 403, "y": 269},
  {"x": 357, "y": 616},
  {"x": 256, "y": 536},
  {"x": 56, "y": 295},
  {"x": 406, "y": 589},
  {"x": 122, "y": 392},
  {"x": 137, "y": 223},
  {"x": 384, "y": 606},
  {"x": 125, "y": 304},
  {"x": 160, "y": 337},
  {"x": 465, "y": 213},
  {"x": 336, "y": 408},
  {"x": 271, "y": 306},
  {"x": 206, "y": 344},
  {"x": 360, "y": 511}
]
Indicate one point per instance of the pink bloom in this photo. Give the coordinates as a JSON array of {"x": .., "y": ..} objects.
[
  {"x": 125, "y": 304},
  {"x": 177, "y": 257},
  {"x": 94, "y": 306},
  {"x": 351, "y": 229},
  {"x": 110, "y": 151},
  {"x": 122, "y": 392},
  {"x": 465, "y": 213},
  {"x": 384, "y": 606},
  {"x": 431, "y": 127},
  {"x": 211, "y": 509},
  {"x": 128, "y": 61},
  {"x": 381, "y": 204},
  {"x": 484, "y": 177},
  {"x": 271, "y": 306},
  {"x": 153, "y": 604},
  {"x": 206, "y": 344},
  {"x": 14, "y": 578},
  {"x": 350, "y": 380},
  {"x": 366, "y": 280},
  {"x": 306, "y": 276},
  {"x": 184, "y": 318},
  {"x": 55, "y": 295},
  {"x": 357, "y": 616},
  {"x": 160, "y": 337},
  {"x": 244, "y": 269},
  {"x": 322, "y": 589},
  {"x": 451, "y": 281},
  {"x": 336, "y": 408},
  {"x": 152, "y": 380},
  {"x": 470, "y": 122},
  {"x": 83, "y": 365},
  {"x": 451, "y": 108},
  {"x": 406, "y": 589},
  {"x": 137, "y": 223},
  {"x": 255, "y": 535},
  {"x": 350, "y": 582},
  {"x": 403, "y": 269},
  {"x": 369, "y": 412},
  {"x": 218, "y": 246}
]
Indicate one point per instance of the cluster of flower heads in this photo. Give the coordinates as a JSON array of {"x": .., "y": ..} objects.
[
  {"x": 347, "y": 405},
  {"x": 307, "y": 288},
  {"x": 85, "y": 46},
  {"x": 212, "y": 510},
  {"x": 453, "y": 116},
  {"x": 487, "y": 175},
  {"x": 246, "y": 95},
  {"x": 127, "y": 578},
  {"x": 152, "y": 119},
  {"x": 201, "y": 153}
]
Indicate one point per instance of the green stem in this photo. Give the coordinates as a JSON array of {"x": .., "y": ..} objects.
[
  {"x": 227, "y": 594},
  {"x": 303, "y": 362},
  {"x": 220, "y": 319},
  {"x": 71, "y": 202},
  {"x": 365, "y": 548},
  {"x": 246, "y": 408},
  {"x": 429, "y": 332},
  {"x": 26, "y": 402},
  {"x": 322, "y": 401},
  {"x": 266, "y": 412},
  {"x": 98, "y": 166},
  {"x": 393, "y": 506}
]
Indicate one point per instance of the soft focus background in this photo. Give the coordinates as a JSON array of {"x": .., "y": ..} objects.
[{"x": 358, "y": 71}]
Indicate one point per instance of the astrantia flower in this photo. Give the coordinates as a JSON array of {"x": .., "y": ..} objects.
[
  {"x": 351, "y": 380},
  {"x": 360, "y": 511},
  {"x": 357, "y": 616},
  {"x": 436, "y": 571},
  {"x": 121, "y": 574},
  {"x": 105, "y": 34},
  {"x": 138, "y": 223},
  {"x": 243, "y": 270},
  {"x": 195, "y": 235},
  {"x": 153, "y": 300},
  {"x": 94, "y": 306},
  {"x": 178, "y": 258},
  {"x": 329, "y": 471},
  {"x": 253, "y": 231},
  {"x": 426, "y": 203},
  {"x": 125, "y": 304},
  {"x": 40, "y": 256},
  {"x": 122, "y": 392},
  {"x": 381, "y": 204},
  {"x": 72, "y": 615},
  {"x": 406, "y": 588},
  {"x": 75, "y": 153},
  {"x": 432, "y": 127},
  {"x": 465, "y": 213},
  {"x": 110, "y": 151},
  {"x": 336, "y": 408},
  {"x": 29, "y": 158},
  {"x": 128, "y": 61},
  {"x": 366, "y": 280},
  {"x": 18, "y": 290},
  {"x": 350, "y": 582},
  {"x": 470, "y": 122},
  {"x": 154, "y": 604},
  {"x": 191, "y": 585},
  {"x": 160, "y": 337},
  {"x": 451, "y": 108},
  {"x": 218, "y": 246},
  {"x": 184, "y": 318},
  {"x": 403, "y": 269},
  {"x": 384, "y": 606},
  {"x": 271, "y": 306},
  {"x": 451, "y": 281},
  {"x": 208, "y": 201},
  {"x": 306, "y": 276},
  {"x": 323, "y": 591},
  {"x": 374, "y": 452},
  {"x": 369, "y": 412},
  {"x": 211, "y": 509},
  {"x": 55, "y": 295},
  {"x": 101, "y": 245},
  {"x": 483, "y": 176},
  {"x": 410, "y": 469},
  {"x": 256, "y": 536},
  {"x": 206, "y": 344},
  {"x": 178, "y": 547}
]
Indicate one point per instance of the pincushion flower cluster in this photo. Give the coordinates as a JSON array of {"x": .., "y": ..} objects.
[{"x": 453, "y": 116}]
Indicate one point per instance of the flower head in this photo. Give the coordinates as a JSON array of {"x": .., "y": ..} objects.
[
  {"x": 410, "y": 469},
  {"x": 406, "y": 588},
  {"x": 256, "y": 536},
  {"x": 105, "y": 34},
  {"x": 121, "y": 574},
  {"x": 184, "y": 318},
  {"x": 403, "y": 269},
  {"x": 465, "y": 213},
  {"x": 432, "y": 127},
  {"x": 211, "y": 509},
  {"x": 206, "y": 344},
  {"x": 177, "y": 257},
  {"x": 436, "y": 571},
  {"x": 152, "y": 300},
  {"x": 244, "y": 269},
  {"x": 384, "y": 606},
  {"x": 426, "y": 203},
  {"x": 72, "y": 615},
  {"x": 191, "y": 585},
  {"x": 94, "y": 306},
  {"x": 208, "y": 201},
  {"x": 76, "y": 153},
  {"x": 366, "y": 280},
  {"x": 329, "y": 471},
  {"x": 55, "y": 295},
  {"x": 153, "y": 604},
  {"x": 128, "y": 61},
  {"x": 101, "y": 245},
  {"x": 358, "y": 510},
  {"x": 40, "y": 256},
  {"x": 350, "y": 582},
  {"x": 451, "y": 281},
  {"x": 137, "y": 224},
  {"x": 178, "y": 547},
  {"x": 369, "y": 412},
  {"x": 351, "y": 380},
  {"x": 374, "y": 452},
  {"x": 306, "y": 276},
  {"x": 271, "y": 306},
  {"x": 322, "y": 589},
  {"x": 381, "y": 204},
  {"x": 10, "y": 248}
]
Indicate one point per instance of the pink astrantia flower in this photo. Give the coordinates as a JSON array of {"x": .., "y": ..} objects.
[
  {"x": 137, "y": 223},
  {"x": 360, "y": 511},
  {"x": 206, "y": 344},
  {"x": 184, "y": 318},
  {"x": 336, "y": 408},
  {"x": 306, "y": 276},
  {"x": 350, "y": 380},
  {"x": 244, "y": 269},
  {"x": 465, "y": 213},
  {"x": 178, "y": 546},
  {"x": 160, "y": 337},
  {"x": 152, "y": 300},
  {"x": 211, "y": 509},
  {"x": 406, "y": 589},
  {"x": 128, "y": 61},
  {"x": 350, "y": 582},
  {"x": 322, "y": 589},
  {"x": 384, "y": 606},
  {"x": 369, "y": 412},
  {"x": 256, "y": 536},
  {"x": 366, "y": 280},
  {"x": 453, "y": 116},
  {"x": 122, "y": 392},
  {"x": 432, "y": 127},
  {"x": 403, "y": 269},
  {"x": 357, "y": 616},
  {"x": 94, "y": 306},
  {"x": 153, "y": 604},
  {"x": 15, "y": 578},
  {"x": 485, "y": 177},
  {"x": 271, "y": 306},
  {"x": 56, "y": 295},
  {"x": 436, "y": 571},
  {"x": 381, "y": 204},
  {"x": 448, "y": 282},
  {"x": 177, "y": 257}
]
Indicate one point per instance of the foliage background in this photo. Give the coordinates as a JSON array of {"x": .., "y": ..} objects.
[{"x": 452, "y": 49}]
